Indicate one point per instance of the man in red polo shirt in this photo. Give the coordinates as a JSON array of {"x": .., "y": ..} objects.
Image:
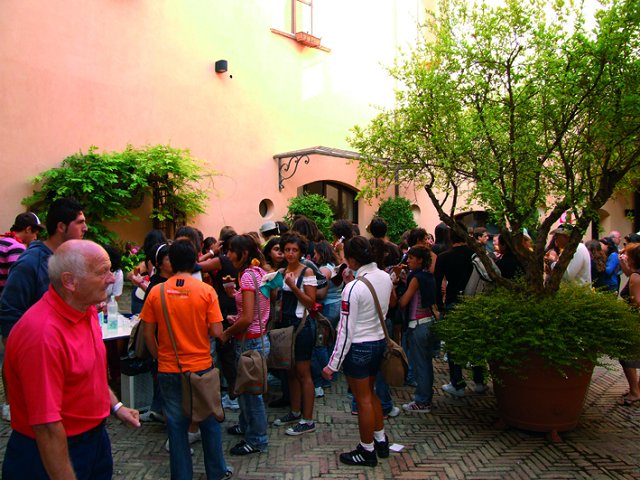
[{"x": 55, "y": 366}]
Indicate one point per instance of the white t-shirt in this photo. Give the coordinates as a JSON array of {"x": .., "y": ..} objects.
[{"x": 579, "y": 268}]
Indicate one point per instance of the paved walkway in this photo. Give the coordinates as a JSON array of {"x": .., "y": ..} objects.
[{"x": 456, "y": 441}]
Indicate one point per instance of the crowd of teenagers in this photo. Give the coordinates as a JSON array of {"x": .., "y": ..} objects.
[
  {"x": 201, "y": 304},
  {"x": 416, "y": 281}
]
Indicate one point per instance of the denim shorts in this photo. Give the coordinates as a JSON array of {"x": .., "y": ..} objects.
[
  {"x": 363, "y": 359},
  {"x": 305, "y": 340}
]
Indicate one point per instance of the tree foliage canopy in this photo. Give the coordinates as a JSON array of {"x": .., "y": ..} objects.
[
  {"x": 519, "y": 108},
  {"x": 111, "y": 184}
]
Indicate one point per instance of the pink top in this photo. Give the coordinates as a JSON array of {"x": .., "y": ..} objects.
[
  {"x": 247, "y": 284},
  {"x": 56, "y": 368}
]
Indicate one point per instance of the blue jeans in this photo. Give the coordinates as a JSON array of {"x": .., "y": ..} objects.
[
  {"x": 320, "y": 357},
  {"x": 319, "y": 360},
  {"x": 253, "y": 416},
  {"x": 421, "y": 357},
  {"x": 177, "y": 426},
  {"x": 90, "y": 456},
  {"x": 411, "y": 378}
]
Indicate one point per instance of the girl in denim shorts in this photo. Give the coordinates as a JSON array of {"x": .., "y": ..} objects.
[{"x": 360, "y": 344}]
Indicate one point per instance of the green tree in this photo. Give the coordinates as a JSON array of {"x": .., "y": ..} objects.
[
  {"x": 398, "y": 215},
  {"x": 518, "y": 108},
  {"x": 111, "y": 184},
  {"x": 314, "y": 207}
]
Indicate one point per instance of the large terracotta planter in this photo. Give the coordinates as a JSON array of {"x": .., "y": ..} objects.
[{"x": 540, "y": 399}]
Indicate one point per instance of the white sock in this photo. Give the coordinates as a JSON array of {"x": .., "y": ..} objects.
[
  {"x": 367, "y": 446},
  {"x": 295, "y": 414},
  {"x": 308, "y": 422},
  {"x": 379, "y": 436}
]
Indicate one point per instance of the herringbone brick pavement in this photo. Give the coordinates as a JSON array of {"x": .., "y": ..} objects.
[{"x": 456, "y": 441}]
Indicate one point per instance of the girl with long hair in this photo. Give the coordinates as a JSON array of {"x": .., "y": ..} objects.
[
  {"x": 248, "y": 330},
  {"x": 298, "y": 295}
]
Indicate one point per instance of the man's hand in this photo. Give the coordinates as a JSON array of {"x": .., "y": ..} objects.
[{"x": 128, "y": 416}]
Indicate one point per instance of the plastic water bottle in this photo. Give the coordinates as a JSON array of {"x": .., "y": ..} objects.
[{"x": 112, "y": 313}]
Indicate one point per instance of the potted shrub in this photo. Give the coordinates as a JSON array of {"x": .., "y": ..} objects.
[
  {"x": 523, "y": 110},
  {"x": 534, "y": 344}
]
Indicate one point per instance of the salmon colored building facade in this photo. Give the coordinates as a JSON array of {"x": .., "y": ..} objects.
[{"x": 109, "y": 73}]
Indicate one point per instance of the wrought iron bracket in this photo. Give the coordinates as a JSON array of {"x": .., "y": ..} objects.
[{"x": 284, "y": 168}]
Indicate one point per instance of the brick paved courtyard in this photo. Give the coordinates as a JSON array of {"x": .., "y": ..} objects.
[{"x": 456, "y": 440}]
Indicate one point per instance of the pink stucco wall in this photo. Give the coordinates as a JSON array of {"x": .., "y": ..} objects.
[
  {"x": 117, "y": 72},
  {"x": 111, "y": 73}
]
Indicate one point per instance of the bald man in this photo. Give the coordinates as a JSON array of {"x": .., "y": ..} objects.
[
  {"x": 616, "y": 236},
  {"x": 55, "y": 366}
]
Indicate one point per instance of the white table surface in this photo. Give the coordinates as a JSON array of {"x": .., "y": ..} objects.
[{"x": 123, "y": 330}]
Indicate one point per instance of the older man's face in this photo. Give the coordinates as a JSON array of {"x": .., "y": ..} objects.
[
  {"x": 92, "y": 288},
  {"x": 616, "y": 237}
]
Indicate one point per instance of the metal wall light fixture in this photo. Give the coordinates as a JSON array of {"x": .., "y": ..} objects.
[{"x": 221, "y": 66}]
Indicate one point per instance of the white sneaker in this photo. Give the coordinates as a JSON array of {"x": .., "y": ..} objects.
[
  {"x": 394, "y": 412},
  {"x": 319, "y": 392},
  {"x": 166, "y": 446},
  {"x": 6, "y": 412},
  {"x": 481, "y": 387},
  {"x": 193, "y": 437},
  {"x": 451, "y": 390},
  {"x": 152, "y": 416},
  {"x": 230, "y": 404}
]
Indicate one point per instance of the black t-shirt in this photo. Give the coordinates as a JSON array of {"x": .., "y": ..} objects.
[
  {"x": 154, "y": 280},
  {"x": 509, "y": 265},
  {"x": 227, "y": 304},
  {"x": 455, "y": 265}
]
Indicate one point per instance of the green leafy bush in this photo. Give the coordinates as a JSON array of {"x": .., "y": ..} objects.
[
  {"x": 111, "y": 184},
  {"x": 566, "y": 328},
  {"x": 398, "y": 215},
  {"x": 131, "y": 257},
  {"x": 312, "y": 206}
]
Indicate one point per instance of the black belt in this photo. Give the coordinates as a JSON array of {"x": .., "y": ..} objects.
[{"x": 86, "y": 436}]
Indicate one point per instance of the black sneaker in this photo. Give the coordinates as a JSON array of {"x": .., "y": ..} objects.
[
  {"x": 235, "y": 430},
  {"x": 359, "y": 456},
  {"x": 382, "y": 448},
  {"x": 243, "y": 448},
  {"x": 286, "y": 419},
  {"x": 301, "y": 428}
]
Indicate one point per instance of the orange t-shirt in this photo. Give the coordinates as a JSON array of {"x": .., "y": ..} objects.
[{"x": 192, "y": 306}]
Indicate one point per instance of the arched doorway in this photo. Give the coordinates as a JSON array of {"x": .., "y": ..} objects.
[{"x": 342, "y": 198}]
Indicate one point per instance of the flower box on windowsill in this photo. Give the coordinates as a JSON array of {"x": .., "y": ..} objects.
[{"x": 307, "y": 39}]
